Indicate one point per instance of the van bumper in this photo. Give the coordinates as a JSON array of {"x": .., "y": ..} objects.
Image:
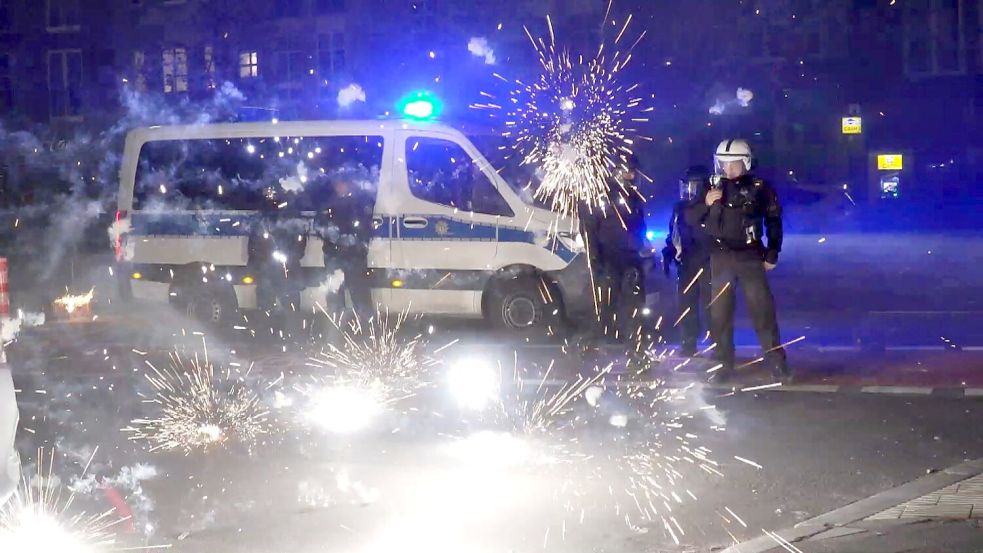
[{"x": 575, "y": 286}]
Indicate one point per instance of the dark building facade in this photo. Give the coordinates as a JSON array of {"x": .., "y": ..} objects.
[{"x": 911, "y": 70}]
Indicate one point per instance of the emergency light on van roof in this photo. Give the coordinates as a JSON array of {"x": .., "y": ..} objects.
[{"x": 421, "y": 106}]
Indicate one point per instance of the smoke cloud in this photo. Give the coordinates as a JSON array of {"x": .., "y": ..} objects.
[{"x": 478, "y": 46}]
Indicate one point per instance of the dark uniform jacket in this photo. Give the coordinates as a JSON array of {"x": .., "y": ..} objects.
[
  {"x": 748, "y": 213},
  {"x": 345, "y": 226}
]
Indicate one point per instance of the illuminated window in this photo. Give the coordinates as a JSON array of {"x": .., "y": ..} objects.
[
  {"x": 248, "y": 65},
  {"x": 175, "y": 65}
]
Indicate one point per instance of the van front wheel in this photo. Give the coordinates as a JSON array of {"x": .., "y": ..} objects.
[
  {"x": 523, "y": 305},
  {"x": 211, "y": 306}
]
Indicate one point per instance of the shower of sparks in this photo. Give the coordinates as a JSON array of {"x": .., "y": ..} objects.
[
  {"x": 376, "y": 366},
  {"x": 73, "y": 302},
  {"x": 38, "y": 518},
  {"x": 577, "y": 122},
  {"x": 542, "y": 410},
  {"x": 199, "y": 408}
]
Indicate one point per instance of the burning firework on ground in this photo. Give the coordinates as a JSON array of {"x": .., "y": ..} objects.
[
  {"x": 376, "y": 366},
  {"x": 199, "y": 408},
  {"x": 39, "y": 518},
  {"x": 73, "y": 304},
  {"x": 577, "y": 122}
]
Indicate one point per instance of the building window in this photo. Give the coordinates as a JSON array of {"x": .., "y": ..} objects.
[
  {"x": 139, "y": 71},
  {"x": 330, "y": 54},
  {"x": 175, "y": 64},
  {"x": 291, "y": 67},
  {"x": 6, "y": 83},
  {"x": 248, "y": 65},
  {"x": 4, "y": 16},
  {"x": 933, "y": 38},
  {"x": 63, "y": 16},
  {"x": 287, "y": 8},
  {"x": 209, "y": 54},
  {"x": 65, "y": 84},
  {"x": 330, "y": 6}
]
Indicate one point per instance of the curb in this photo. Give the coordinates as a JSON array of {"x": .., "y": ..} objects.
[
  {"x": 858, "y": 510},
  {"x": 951, "y": 392}
]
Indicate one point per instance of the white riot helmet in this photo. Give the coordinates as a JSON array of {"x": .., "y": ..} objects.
[{"x": 735, "y": 149}]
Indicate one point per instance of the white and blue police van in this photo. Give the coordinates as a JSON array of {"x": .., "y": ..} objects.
[{"x": 450, "y": 236}]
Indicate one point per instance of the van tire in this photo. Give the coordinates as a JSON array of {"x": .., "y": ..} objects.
[
  {"x": 207, "y": 305},
  {"x": 517, "y": 305}
]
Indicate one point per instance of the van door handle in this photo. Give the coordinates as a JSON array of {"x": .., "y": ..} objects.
[{"x": 415, "y": 222}]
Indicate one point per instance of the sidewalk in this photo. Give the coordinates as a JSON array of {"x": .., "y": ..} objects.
[{"x": 915, "y": 371}]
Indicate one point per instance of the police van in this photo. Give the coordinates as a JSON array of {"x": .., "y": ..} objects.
[{"x": 450, "y": 236}]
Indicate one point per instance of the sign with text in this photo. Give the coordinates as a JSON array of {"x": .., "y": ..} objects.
[
  {"x": 890, "y": 162},
  {"x": 852, "y": 125}
]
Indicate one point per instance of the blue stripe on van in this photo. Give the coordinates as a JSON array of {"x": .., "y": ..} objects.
[{"x": 239, "y": 224}]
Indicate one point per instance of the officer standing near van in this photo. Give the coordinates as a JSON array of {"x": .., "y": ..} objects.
[
  {"x": 743, "y": 210},
  {"x": 345, "y": 227},
  {"x": 276, "y": 246},
  {"x": 614, "y": 234},
  {"x": 688, "y": 247}
]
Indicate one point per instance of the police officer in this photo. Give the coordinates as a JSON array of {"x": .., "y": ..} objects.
[
  {"x": 742, "y": 210},
  {"x": 688, "y": 246},
  {"x": 614, "y": 239},
  {"x": 276, "y": 246},
  {"x": 346, "y": 227}
]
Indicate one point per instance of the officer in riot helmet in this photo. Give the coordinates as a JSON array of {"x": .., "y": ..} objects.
[
  {"x": 688, "y": 247},
  {"x": 743, "y": 217}
]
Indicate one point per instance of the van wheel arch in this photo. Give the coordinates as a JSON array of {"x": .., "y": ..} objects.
[{"x": 514, "y": 290}]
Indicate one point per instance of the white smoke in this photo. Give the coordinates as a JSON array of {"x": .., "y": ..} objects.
[
  {"x": 742, "y": 98},
  {"x": 350, "y": 94},
  {"x": 119, "y": 229},
  {"x": 10, "y": 327},
  {"x": 331, "y": 284},
  {"x": 479, "y": 46},
  {"x": 295, "y": 183}
]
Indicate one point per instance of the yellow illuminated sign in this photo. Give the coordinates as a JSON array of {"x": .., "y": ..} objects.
[
  {"x": 889, "y": 162},
  {"x": 852, "y": 125}
]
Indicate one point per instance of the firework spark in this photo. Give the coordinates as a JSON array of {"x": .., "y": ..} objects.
[
  {"x": 200, "y": 408},
  {"x": 375, "y": 367},
  {"x": 38, "y": 518},
  {"x": 577, "y": 122}
]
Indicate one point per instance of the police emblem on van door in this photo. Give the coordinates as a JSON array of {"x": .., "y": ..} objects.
[{"x": 441, "y": 228}]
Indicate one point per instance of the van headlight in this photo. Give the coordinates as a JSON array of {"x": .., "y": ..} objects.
[{"x": 573, "y": 241}]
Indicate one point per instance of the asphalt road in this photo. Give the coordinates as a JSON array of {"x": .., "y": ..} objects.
[{"x": 410, "y": 482}]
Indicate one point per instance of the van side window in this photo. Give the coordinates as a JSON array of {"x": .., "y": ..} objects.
[
  {"x": 441, "y": 172},
  {"x": 235, "y": 174}
]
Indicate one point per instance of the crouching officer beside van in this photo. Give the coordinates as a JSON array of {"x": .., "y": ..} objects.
[
  {"x": 688, "y": 247},
  {"x": 345, "y": 226},
  {"x": 276, "y": 246},
  {"x": 742, "y": 211}
]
